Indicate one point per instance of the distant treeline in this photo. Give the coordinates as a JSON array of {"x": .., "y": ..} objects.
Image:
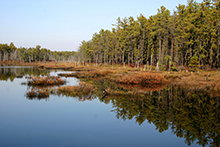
[
  {"x": 32, "y": 54},
  {"x": 191, "y": 30}
]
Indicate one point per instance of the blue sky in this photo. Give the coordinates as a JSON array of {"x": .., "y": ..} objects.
[{"x": 62, "y": 24}]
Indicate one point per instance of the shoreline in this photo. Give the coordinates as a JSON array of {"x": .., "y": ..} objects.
[{"x": 192, "y": 80}]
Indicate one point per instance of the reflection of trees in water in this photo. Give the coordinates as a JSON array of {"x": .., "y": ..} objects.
[
  {"x": 12, "y": 73},
  {"x": 193, "y": 115},
  {"x": 5, "y": 74}
]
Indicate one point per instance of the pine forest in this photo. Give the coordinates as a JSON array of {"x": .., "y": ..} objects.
[{"x": 191, "y": 31}]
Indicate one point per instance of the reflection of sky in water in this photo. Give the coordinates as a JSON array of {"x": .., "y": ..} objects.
[{"x": 62, "y": 121}]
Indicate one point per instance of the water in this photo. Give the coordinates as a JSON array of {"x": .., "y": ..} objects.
[{"x": 104, "y": 121}]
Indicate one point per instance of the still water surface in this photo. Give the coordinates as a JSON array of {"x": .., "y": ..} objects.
[{"x": 102, "y": 122}]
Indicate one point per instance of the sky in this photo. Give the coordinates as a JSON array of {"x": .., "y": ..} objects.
[{"x": 61, "y": 25}]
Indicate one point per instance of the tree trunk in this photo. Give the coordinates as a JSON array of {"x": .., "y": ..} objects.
[
  {"x": 29, "y": 58},
  {"x": 151, "y": 62},
  {"x": 104, "y": 57},
  {"x": 186, "y": 58},
  {"x": 218, "y": 43},
  {"x": 163, "y": 50},
  {"x": 136, "y": 61},
  {"x": 9, "y": 55},
  {"x": 173, "y": 35},
  {"x": 182, "y": 58},
  {"x": 159, "y": 46},
  {"x": 132, "y": 57},
  {"x": 169, "y": 66},
  {"x": 123, "y": 57},
  {"x": 2, "y": 55},
  {"x": 107, "y": 57},
  {"x": 101, "y": 58},
  {"x": 211, "y": 58},
  {"x": 128, "y": 58},
  {"x": 116, "y": 58},
  {"x": 176, "y": 53},
  {"x": 142, "y": 50},
  {"x": 112, "y": 59},
  {"x": 172, "y": 46},
  {"x": 96, "y": 59}
]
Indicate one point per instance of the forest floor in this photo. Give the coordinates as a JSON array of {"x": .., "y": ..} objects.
[{"x": 200, "y": 80}]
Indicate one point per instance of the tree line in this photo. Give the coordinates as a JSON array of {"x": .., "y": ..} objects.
[
  {"x": 192, "y": 30},
  {"x": 32, "y": 54}
]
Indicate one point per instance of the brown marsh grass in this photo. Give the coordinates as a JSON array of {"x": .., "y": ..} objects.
[
  {"x": 203, "y": 80},
  {"x": 143, "y": 79},
  {"x": 142, "y": 88},
  {"x": 87, "y": 74},
  {"x": 45, "y": 81},
  {"x": 39, "y": 93},
  {"x": 84, "y": 90}
]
